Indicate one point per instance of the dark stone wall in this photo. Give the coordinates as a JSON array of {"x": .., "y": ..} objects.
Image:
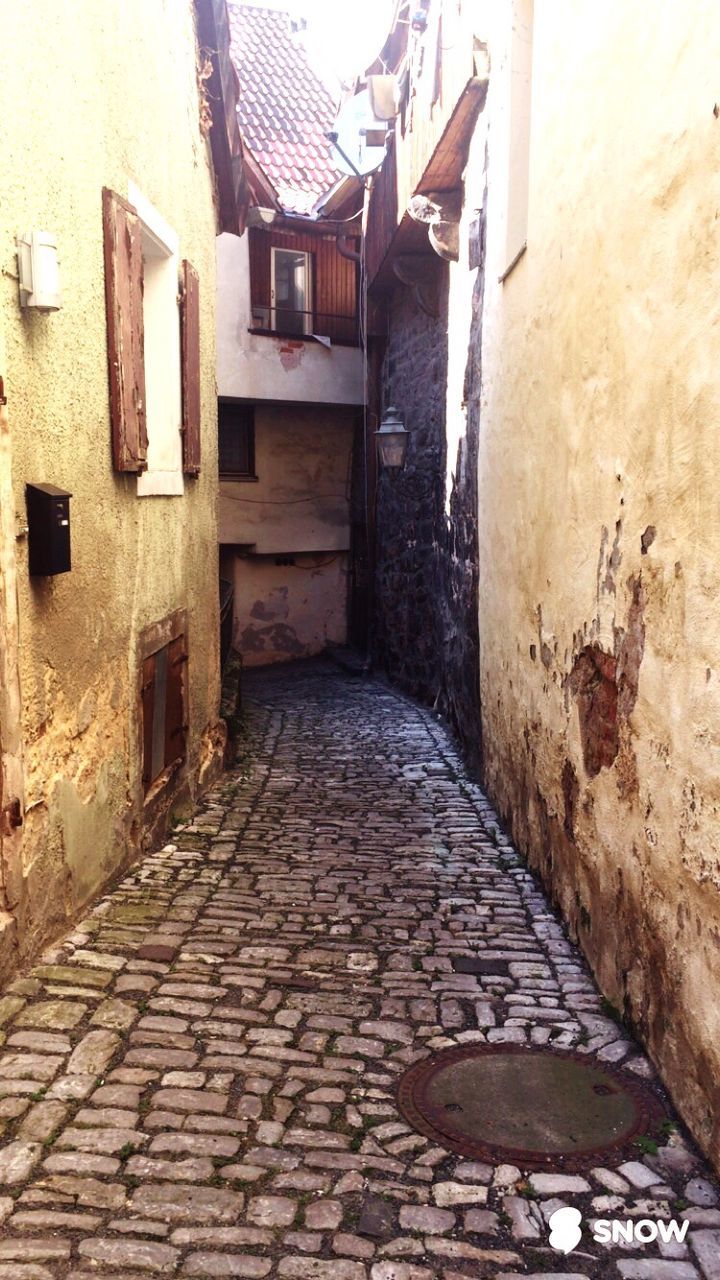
[{"x": 425, "y": 632}]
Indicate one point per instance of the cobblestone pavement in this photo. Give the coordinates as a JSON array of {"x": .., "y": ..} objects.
[{"x": 199, "y": 1080}]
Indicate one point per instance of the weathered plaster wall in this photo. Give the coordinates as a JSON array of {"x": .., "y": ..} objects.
[
  {"x": 289, "y": 610},
  {"x": 11, "y": 746},
  {"x": 135, "y": 560},
  {"x": 297, "y": 512},
  {"x": 300, "y": 499},
  {"x": 599, "y": 534},
  {"x": 254, "y": 367}
]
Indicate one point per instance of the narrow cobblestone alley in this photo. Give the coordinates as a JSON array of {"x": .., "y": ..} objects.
[{"x": 200, "y": 1079}]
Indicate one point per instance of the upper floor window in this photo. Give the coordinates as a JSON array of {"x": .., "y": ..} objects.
[
  {"x": 291, "y": 295},
  {"x": 153, "y": 346},
  {"x": 302, "y": 286}
]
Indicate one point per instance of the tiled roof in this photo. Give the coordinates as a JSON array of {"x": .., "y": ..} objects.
[{"x": 284, "y": 108}]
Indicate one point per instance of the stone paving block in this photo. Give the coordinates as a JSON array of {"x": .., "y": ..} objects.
[
  {"x": 17, "y": 1161},
  {"x": 34, "y": 1249},
  {"x": 9, "y": 1006},
  {"x": 161, "y": 1259},
  {"x": 314, "y": 1269},
  {"x": 55, "y": 1015},
  {"x": 49, "y": 1220},
  {"x": 93, "y": 1053},
  {"x": 218, "y": 1265},
  {"x": 24, "y": 1271},
  {"x": 186, "y": 1204},
  {"x": 656, "y": 1269},
  {"x": 705, "y": 1245},
  {"x": 117, "y": 1015},
  {"x": 28, "y": 1066}
]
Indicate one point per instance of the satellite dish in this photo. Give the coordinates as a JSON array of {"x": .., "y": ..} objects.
[{"x": 358, "y": 137}]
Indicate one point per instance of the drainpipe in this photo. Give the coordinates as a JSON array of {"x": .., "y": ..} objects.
[{"x": 344, "y": 249}]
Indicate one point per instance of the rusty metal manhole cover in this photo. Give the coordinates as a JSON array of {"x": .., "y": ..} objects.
[{"x": 528, "y": 1107}]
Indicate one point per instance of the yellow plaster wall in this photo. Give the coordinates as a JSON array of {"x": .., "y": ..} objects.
[
  {"x": 98, "y": 95},
  {"x": 599, "y": 424}
]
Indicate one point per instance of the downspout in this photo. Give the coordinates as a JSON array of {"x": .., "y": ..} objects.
[{"x": 344, "y": 249}]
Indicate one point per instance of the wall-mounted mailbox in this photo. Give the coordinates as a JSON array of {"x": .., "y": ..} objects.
[{"x": 48, "y": 510}]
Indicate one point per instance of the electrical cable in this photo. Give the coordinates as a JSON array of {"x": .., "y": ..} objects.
[{"x": 283, "y": 502}]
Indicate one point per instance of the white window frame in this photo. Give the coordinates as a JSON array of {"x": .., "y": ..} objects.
[
  {"x": 308, "y": 318},
  {"x": 163, "y": 374}
]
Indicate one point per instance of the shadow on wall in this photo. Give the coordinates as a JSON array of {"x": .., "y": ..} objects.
[{"x": 426, "y": 623}]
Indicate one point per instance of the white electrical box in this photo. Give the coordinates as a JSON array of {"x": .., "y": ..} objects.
[{"x": 39, "y": 271}]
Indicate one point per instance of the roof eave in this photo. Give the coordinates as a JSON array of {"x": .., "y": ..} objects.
[{"x": 213, "y": 29}]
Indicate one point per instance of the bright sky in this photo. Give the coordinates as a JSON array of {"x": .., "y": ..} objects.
[{"x": 343, "y": 34}]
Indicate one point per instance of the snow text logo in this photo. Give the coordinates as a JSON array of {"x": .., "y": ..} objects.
[
  {"x": 644, "y": 1231},
  {"x": 566, "y": 1232}
]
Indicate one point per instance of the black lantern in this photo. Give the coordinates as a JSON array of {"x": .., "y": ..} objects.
[{"x": 392, "y": 441}]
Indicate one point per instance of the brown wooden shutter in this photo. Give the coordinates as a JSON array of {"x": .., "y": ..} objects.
[
  {"x": 190, "y": 349},
  {"x": 124, "y": 308},
  {"x": 175, "y": 723},
  {"x": 147, "y": 694}
]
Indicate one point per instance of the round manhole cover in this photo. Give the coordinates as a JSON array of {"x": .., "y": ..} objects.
[{"x": 524, "y": 1106}]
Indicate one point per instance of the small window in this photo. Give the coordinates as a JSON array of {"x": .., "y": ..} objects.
[
  {"x": 236, "y": 432},
  {"x": 163, "y": 709},
  {"x": 292, "y": 306}
]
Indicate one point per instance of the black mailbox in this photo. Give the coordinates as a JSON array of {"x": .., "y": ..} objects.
[{"x": 48, "y": 510}]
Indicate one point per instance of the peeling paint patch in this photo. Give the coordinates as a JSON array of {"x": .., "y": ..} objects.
[
  {"x": 571, "y": 791},
  {"x": 278, "y": 638},
  {"x": 291, "y": 355},
  {"x": 593, "y": 682},
  {"x": 606, "y": 686},
  {"x": 630, "y": 649},
  {"x": 273, "y": 608},
  {"x": 647, "y": 539}
]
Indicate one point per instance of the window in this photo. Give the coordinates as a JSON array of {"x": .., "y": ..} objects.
[
  {"x": 291, "y": 296},
  {"x": 163, "y": 709},
  {"x": 236, "y": 433},
  {"x": 520, "y": 84},
  {"x": 153, "y": 347}
]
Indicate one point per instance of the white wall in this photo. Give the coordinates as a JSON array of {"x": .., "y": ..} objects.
[{"x": 266, "y": 368}]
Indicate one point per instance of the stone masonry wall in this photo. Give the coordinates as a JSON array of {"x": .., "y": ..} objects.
[{"x": 425, "y": 634}]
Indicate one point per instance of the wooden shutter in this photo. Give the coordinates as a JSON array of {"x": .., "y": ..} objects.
[
  {"x": 147, "y": 694},
  {"x": 124, "y": 308},
  {"x": 190, "y": 349},
  {"x": 175, "y": 723}
]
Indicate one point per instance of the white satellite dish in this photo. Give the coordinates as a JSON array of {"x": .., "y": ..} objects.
[{"x": 358, "y": 137}]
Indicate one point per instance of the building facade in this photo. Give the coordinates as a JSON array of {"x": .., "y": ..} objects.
[
  {"x": 578, "y": 310},
  {"x": 290, "y": 373},
  {"x": 108, "y": 637}
]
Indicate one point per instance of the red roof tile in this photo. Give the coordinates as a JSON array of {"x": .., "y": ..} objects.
[{"x": 284, "y": 109}]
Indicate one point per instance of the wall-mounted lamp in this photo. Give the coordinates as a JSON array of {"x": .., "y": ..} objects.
[
  {"x": 392, "y": 439},
  {"x": 38, "y": 271}
]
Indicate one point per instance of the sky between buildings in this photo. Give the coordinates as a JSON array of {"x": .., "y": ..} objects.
[{"x": 343, "y": 36}]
